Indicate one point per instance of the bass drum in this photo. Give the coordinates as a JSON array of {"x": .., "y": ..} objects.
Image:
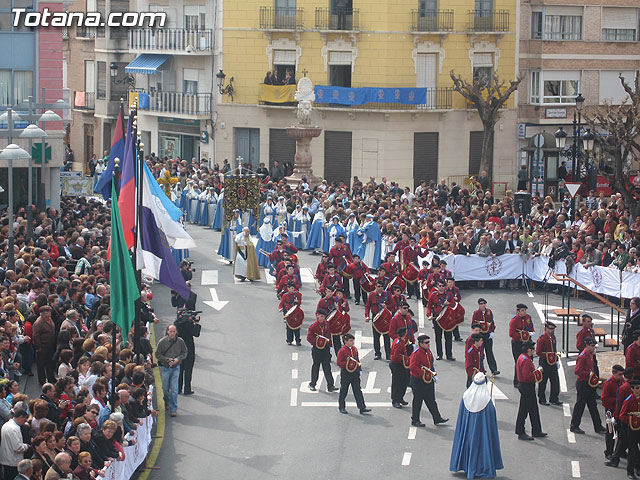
[
  {"x": 449, "y": 318},
  {"x": 396, "y": 281},
  {"x": 382, "y": 321},
  {"x": 294, "y": 317},
  {"x": 368, "y": 283},
  {"x": 410, "y": 273},
  {"x": 336, "y": 320}
]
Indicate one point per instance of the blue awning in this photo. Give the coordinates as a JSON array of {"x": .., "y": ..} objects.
[{"x": 147, "y": 63}]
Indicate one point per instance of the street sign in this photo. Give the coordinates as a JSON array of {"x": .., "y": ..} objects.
[{"x": 572, "y": 188}]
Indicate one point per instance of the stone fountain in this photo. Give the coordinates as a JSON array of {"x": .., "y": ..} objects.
[{"x": 303, "y": 132}]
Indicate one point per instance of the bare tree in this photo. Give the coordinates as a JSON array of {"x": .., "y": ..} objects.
[
  {"x": 488, "y": 96},
  {"x": 621, "y": 127}
]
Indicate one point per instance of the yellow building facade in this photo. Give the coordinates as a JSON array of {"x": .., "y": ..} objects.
[{"x": 367, "y": 44}]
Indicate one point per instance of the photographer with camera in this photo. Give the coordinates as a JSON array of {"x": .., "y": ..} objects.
[
  {"x": 188, "y": 325},
  {"x": 186, "y": 270},
  {"x": 180, "y": 303}
]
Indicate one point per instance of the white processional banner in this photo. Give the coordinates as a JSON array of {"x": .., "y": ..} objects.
[{"x": 473, "y": 267}]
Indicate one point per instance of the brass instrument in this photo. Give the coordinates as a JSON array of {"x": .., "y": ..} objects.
[
  {"x": 357, "y": 364},
  {"x": 611, "y": 428}
]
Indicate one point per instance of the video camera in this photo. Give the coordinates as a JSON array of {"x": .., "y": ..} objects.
[{"x": 188, "y": 315}]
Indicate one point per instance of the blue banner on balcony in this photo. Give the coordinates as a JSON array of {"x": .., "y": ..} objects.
[
  {"x": 362, "y": 96},
  {"x": 144, "y": 101}
]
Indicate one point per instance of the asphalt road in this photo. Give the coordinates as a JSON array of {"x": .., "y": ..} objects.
[{"x": 252, "y": 415}]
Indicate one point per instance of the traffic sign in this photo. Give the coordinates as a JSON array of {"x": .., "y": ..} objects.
[{"x": 572, "y": 187}]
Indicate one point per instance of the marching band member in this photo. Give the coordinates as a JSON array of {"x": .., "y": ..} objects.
[
  {"x": 383, "y": 276},
  {"x": 520, "y": 330},
  {"x": 288, "y": 277},
  {"x": 453, "y": 296},
  {"x": 402, "y": 319},
  {"x": 391, "y": 266},
  {"x": 548, "y": 360},
  {"x": 350, "y": 369},
  {"x": 423, "y": 274},
  {"x": 338, "y": 325},
  {"x": 357, "y": 269},
  {"x": 526, "y": 378},
  {"x": 328, "y": 302},
  {"x": 468, "y": 343},
  {"x": 437, "y": 302},
  {"x": 410, "y": 254},
  {"x": 484, "y": 317},
  {"x": 587, "y": 332},
  {"x": 434, "y": 277},
  {"x": 622, "y": 428},
  {"x": 632, "y": 356},
  {"x": 375, "y": 303},
  {"x": 321, "y": 269},
  {"x": 340, "y": 256},
  {"x": 395, "y": 298},
  {"x": 320, "y": 339},
  {"x": 423, "y": 379},
  {"x": 608, "y": 398},
  {"x": 630, "y": 415},
  {"x": 474, "y": 358},
  {"x": 401, "y": 350},
  {"x": 331, "y": 279},
  {"x": 288, "y": 300},
  {"x": 586, "y": 390}
]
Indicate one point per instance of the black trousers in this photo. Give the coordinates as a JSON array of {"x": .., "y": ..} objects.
[
  {"x": 549, "y": 373},
  {"x": 10, "y": 473},
  {"x": 350, "y": 380},
  {"x": 609, "y": 442},
  {"x": 186, "y": 372},
  {"x": 337, "y": 343},
  {"x": 423, "y": 392},
  {"x": 291, "y": 334},
  {"x": 586, "y": 396},
  {"x": 413, "y": 289},
  {"x": 456, "y": 333},
  {"x": 357, "y": 291},
  {"x": 622, "y": 443},
  {"x": 345, "y": 285},
  {"x": 399, "y": 381},
  {"x": 376, "y": 343},
  {"x": 45, "y": 368},
  {"x": 516, "y": 350},
  {"x": 321, "y": 357},
  {"x": 448, "y": 340},
  {"x": 488, "y": 353},
  {"x": 528, "y": 408},
  {"x": 633, "y": 443}
]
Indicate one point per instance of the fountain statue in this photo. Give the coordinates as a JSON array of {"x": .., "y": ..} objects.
[{"x": 304, "y": 133}]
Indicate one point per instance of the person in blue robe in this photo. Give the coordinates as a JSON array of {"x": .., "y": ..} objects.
[
  {"x": 201, "y": 205},
  {"x": 193, "y": 204},
  {"x": 333, "y": 230},
  {"x": 476, "y": 443},
  {"x": 301, "y": 226},
  {"x": 265, "y": 242},
  {"x": 268, "y": 210},
  {"x": 371, "y": 242},
  {"x": 277, "y": 234},
  {"x": 352, "y": 230},
  {"x": 217, "y": 220},
  {"x": 227, "y": 241},
  {"x": 205, "y": 214},
  {"x": 316, "y": 234},
  {"x": 249, "y": 221}
]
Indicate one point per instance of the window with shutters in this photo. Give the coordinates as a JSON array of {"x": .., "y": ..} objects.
[
  {"x": 619, "y": 24},
  {"x": 101, "y": 92},
  {"x": 340, "y": 68},
  {"x": 482, "y": 67},
  {"x": 190, "y": 80},
  {"x": 556, "y": 23},
  {"x": 284, "y": 60},
  {"x": 101, "y": 8},
  {"x": 611, "y": 90},
  {"x": 554, "y": 86},
  {"x": 89, "y": 76},
  {"x": 194, "y": 17},
  {"x": 426, "y": 76}
]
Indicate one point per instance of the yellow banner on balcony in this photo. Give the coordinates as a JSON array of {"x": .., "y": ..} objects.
[
  {"x": 134, "y": 99},
  {"x": 276, "y": 93}
]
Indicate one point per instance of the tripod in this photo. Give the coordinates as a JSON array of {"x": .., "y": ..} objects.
[{"x": 525, "y": 279}]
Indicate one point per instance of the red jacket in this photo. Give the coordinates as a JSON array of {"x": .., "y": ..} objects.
[
  {"x": 331, "y": 281},
  {"x": 372, "y": 307},
  {"x": 326, "y": 303},
  {"x": 424, "y": 273},
  {"x": 393, "y": 301},
  {"x": 584, "y": 366},
  {"x": 631, "y": 404},
  {"x": 623, "y": 392},
  {"x": 546, "y": 344},
  {"x": 632, "y": 358},
  {"x": 321, "y": 271},
  {"x": 343, "y": 357},
  {"x": 453, "y": 294},
  {"x": 338, "y": 255},
  {"x": 420, "y": 358},
  {"x": 282, "y": 284},
  {"x": 392, "y": 269},
  {"x": 399, "y": 321},
  {"x": 288, "y": 300},
  {"x": 581, "y": 335},
  {"x": 316, "y": 331},
  {"x": 609, "y": 393},
  {"x": 518, "y": 323},
  {"x": 410, "y": 254},
  {"x": 356, "y": 270},
  {"x": 485, "y": 320},
  {"x": 398, "y": 350},
  {"x": 473, "y": 361},
  {"x": 436, "y": 303},
  {"x": 524, "y": 369}
]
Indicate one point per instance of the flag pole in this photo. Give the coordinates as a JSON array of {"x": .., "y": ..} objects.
[
  {"x": 139, "y": 172},
  {"x": 114, "y": 337}
]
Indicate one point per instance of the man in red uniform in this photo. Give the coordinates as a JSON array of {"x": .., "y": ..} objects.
[
  {"x": 331, "y": 279},
  {"x": 410, "y": 254},
  {"x": 383, "y": 276},
  {"x": 520, "y": 330},
  {"x": 328, "y": 302},
  {"x": 608, "y": 398},
  {"x": 290, "y": 277},
  {"x": 586, "y": 393},
  {"x": 402, "y": 318},
  {"x": 288, "y": 301},
  {"x": 630, "y": 415},
  {"x": 632, "y": 356},
  {"x": 320, "y": 339},
  {"x": 357, "y": 269},
  {"x": 468, "y": 343},
  {"x": 484, "y": 317},
  {"x": 587, "y": 332},
  {"x": 391, "y": 266},
  {"x": 340, "y": 256},
  {"x": 337, "y": 327},
  {"x": 622, "y": 428},
  {"x": 547, "y": 352},
  {"x": 453, "y": 296},
  {"x": 423, "y": 274},
  {"x": 401, "y": 350},
  {"x": 350, "y": 368},
  {"x": 321, "y": 269},
  {"x": 289, "y": 247},
  {"x": 375, "y": 303},
  {"x": 434, "y": 277},
  {"x": 527, "y": 387},
  {"x": 474, "y": 358},
  {"x": 438, "y": 301},
  {"x": 394, "y": 299},
  {"x": 423, "y": 379}
]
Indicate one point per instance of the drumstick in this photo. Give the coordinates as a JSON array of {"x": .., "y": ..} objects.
[
  {"x": 428, "y": 370},
  {"x": 353, "y": 359},
  {"x": 321, "y": 336}
]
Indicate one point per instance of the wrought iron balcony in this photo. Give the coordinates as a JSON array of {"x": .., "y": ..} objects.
[
  {"x": 483, "y": 21},
  {"x": 174, "y": 102},
  {"x": 171, "y": 39},
  {"x": 335, "y": 19},
  {"x": 280, "y": 18},
  {"x": 432, "y": 20},
  {"x": 84, "y": 101},
  {"x": 436, "y": 99}
]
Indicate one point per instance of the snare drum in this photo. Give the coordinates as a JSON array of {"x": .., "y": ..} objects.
[
  {"x": 447, "y": 319},
  {"x": 410, "y": 273},
  {"x": 382, "y": 320},
  {"x": 336, "y": 320},
  {"x": 294, "y": 317}
]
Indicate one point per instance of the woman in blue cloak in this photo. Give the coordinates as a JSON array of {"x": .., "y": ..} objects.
[
  {"x": 217, "y": 220},
  {"x": 227, "y": 240},
  {"x": 333, "y": 230},
  {"x": 316, "y": 234}
]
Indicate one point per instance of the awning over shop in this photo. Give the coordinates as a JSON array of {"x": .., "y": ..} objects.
[{"x": 146, "y": 63}]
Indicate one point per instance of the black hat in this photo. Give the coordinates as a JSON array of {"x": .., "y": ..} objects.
[
  {"x": 341, "y": 290},
  {"x": 634, "y": 383},
  {"x": 550, "y": 325},
  {"x": 403, "y": 305},
  {"x": 589, "y": 341},
  {"x": 481, "y": 300},
  {"x": 330, "y": 265},
  {"x": 475, "y": 325},
  {"x": 347, "y": 336},
  {"x": 321, "y": 311},
  {"x": 521, "y": 305}
]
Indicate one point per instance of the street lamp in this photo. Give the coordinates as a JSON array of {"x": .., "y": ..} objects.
[
  {"x": 48, "y": 116},
  {"x": 588, "y": 139},
  {"x": 10, "y": 153},
  {"x": 128, "y": 78},
  {"x": 561, "y": 138},
  {"x": 31, "y": 132},
  {"x": 228, "y": 90}
]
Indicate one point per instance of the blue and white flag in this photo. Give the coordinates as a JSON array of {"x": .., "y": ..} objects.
[{"x": 156, "y": 189}]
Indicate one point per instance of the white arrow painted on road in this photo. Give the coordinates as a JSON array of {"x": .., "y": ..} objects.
[{"x": 214, "y": 302}]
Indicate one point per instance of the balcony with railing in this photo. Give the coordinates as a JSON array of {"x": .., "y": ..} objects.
[
  {"x": 174, "y": 40},
  {"x": 432, "y": 21},
  {"x": 84, "y": 101},
  {"x": 86, "y": 32},
  {"x": 280, "y": 18},
  {"x": 328, "y": 19},
  {"x": 177, "y": 103},
  {"x": 392, "y": 99},
  {"x": 480, "y": 21}
]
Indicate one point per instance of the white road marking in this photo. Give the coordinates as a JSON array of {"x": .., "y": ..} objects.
[
  {"x": 209, "y": 277},
  {"x": 420, "y": 314},
  {"x": 575, "y": 469},
  {"x": 215, "y": 302},
  {"x": 223, "y": 261},
  {"x": 270, "y": 278},
  {"x": 294, "y": 397},
  {"x": 412, "y": 433},
  {"x": 349, "y": 404},
  {"x": 563, "y": 379},
  {"x": 364, "y": 351},
  {"x": 294, "y": 373},
  {"x": 566, "y": 408},
  {"x": 530, "y": 294},
  {"x": 358, "y": 340},
  {"x": 571, "y": 437},
  {"x": 306, "y": 276},
  {"x": 406, "y": 458},
  {"x": 371, "y": 380},
  {"x": 497, "y": 394},
  {"x": 572, "y": 363},
  {"x": 294, "y": 356}
]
